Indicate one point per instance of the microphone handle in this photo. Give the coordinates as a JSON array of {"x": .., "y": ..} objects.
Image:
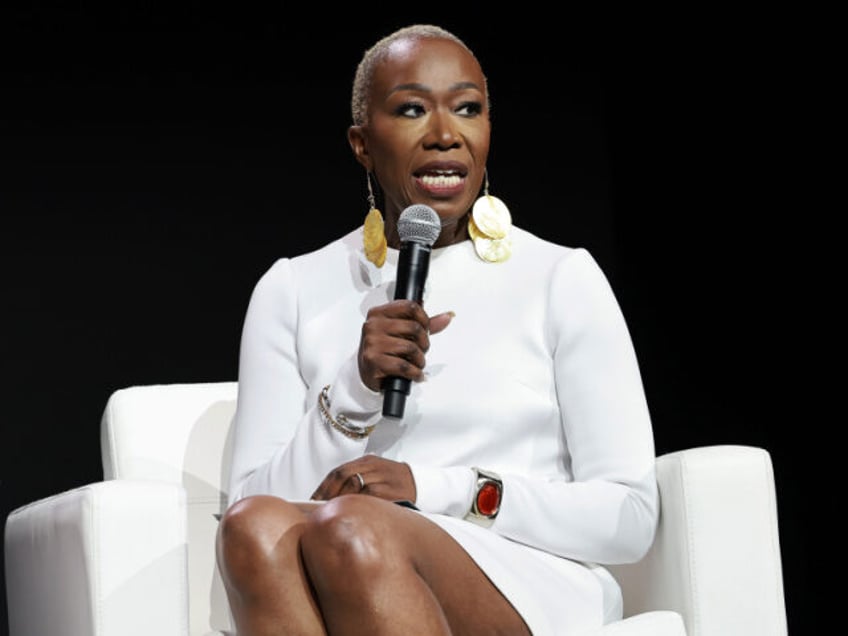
[{"x": 413, "y": 265}]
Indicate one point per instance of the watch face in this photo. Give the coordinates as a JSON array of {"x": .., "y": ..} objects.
[{"x": 488, "y": 498}]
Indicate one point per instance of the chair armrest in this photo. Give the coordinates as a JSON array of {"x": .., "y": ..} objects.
[
  {"x": 716, "y": 556},
  {"x": 106, "y": 559}
]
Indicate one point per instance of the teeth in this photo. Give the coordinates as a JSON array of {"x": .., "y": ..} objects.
[{"x": 441, "y": 180}]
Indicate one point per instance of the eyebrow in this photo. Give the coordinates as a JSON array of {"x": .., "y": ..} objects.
[{"x": 415, "y": 86}]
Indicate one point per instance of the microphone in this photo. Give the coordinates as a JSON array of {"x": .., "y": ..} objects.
[{"x": 419, "y": 227}]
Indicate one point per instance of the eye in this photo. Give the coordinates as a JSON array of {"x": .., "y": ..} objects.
[
  {"x": 469, "y": 109},
  {"x": 410, "y": 109}
]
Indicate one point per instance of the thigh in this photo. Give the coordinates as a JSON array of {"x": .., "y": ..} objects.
[{"x": 470, "y": 601}]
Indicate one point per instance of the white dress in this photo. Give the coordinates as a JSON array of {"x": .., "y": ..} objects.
[{"x": 535, "y": 379}]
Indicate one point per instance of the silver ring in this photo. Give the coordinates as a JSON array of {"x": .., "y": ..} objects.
[{"x": 361, "y": 481}]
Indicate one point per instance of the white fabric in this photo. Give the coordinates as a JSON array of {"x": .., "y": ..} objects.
[
  {"x": 179, "y": 433},
  {"x": 108, "y": 559},
  {"x": 535, "y": 378},
  {"x": 656, "y": 623},
  {"x": 716, "y": 558},
  {"x": 194, "y": 418}
]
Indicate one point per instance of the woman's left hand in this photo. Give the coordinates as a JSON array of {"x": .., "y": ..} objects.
[{"x": 370, "y": 475}]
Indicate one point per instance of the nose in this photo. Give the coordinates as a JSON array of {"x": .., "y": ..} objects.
[{"x": 442, "y": 133}]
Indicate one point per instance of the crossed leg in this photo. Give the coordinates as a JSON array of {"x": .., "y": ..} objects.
[{"x": 354, "y": 565}]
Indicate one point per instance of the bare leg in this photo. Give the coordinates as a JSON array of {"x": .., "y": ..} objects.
[
  {"x": 259, "y": 558},
  {"x": 378, "y": 568}
]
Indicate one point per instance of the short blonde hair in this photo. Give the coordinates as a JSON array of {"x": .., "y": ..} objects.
[{"x": 365, "y": 70}]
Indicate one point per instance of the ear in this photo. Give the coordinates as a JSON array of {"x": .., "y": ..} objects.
[{"x": 357, "y": 138}]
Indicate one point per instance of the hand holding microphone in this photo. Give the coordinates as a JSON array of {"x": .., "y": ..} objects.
[
  {"x": 395, "y": 336},
  {"x": 419, "y": 227}
]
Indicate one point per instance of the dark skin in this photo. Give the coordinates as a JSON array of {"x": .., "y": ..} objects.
[{"x": 357, "y": 563}]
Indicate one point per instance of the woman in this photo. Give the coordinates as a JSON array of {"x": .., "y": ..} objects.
[{"x": 525, "y": 455}]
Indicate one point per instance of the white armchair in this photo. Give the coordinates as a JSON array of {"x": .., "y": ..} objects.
[{"x": 134, "y": 555}]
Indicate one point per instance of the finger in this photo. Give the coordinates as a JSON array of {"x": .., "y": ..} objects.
[
  {"x": 393, "y": 366},
  {"x": 389, "y": 488},
  {"x": 440, "y": 321},
  {"x": 378, "y": 328},
  {"x": 360, "y": 484},
  {"x": 398, "y": 310},
  {"x": 335, "y": 483},
  {"x": 406, "y": 351},
  {"x": 375, "y": 366},
  {"x": 407, "y": 309},
  {"x": 382, "y": 355}
]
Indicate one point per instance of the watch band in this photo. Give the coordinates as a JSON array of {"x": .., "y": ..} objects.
[{"x": 488, "y": 493}]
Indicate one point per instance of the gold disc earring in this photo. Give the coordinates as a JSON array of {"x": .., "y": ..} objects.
[
  {"x": 373, "y": 233},
  {"x": 489, "y": 226}
]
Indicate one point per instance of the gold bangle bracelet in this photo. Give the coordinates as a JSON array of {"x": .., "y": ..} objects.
[{"x": 340, "y": 422}]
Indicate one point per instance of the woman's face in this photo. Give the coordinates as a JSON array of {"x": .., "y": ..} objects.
[{"x": 427, "y": 136}]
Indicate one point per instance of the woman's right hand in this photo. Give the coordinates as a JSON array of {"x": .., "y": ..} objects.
[{"x": 395, "y": 338}]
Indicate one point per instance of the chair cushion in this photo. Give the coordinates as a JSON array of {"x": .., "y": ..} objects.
[{"x": 656, "y": 623}]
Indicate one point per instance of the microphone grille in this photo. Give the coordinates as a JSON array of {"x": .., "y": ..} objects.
[{"x": 419, "y": 223}]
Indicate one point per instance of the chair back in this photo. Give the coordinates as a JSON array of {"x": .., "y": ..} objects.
[
  {"x": 180, "y": 433},
  {"x": 716, "y": 557}
]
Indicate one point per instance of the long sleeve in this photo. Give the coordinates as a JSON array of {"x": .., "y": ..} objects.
[
  {"x": 601, "y": 505},
  {"x": 608, "y": 513},
  {"x": 281, "y": 444}
]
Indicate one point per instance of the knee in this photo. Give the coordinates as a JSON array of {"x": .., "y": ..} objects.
[
  {"x": 250, "y": 531},
  {"x": 347, "y": 536}
]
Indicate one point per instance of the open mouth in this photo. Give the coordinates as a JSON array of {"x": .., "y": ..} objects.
[{"x": 440, "y": 179}]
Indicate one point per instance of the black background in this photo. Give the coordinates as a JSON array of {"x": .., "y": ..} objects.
[{"x": 156, "y": 159}]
